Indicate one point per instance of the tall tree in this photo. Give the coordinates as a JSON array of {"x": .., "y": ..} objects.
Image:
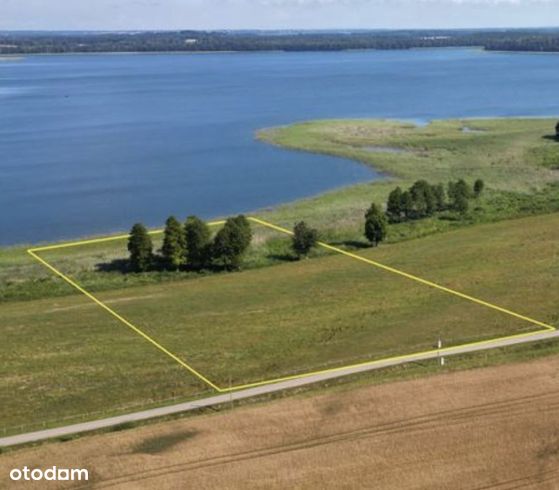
[
  {"x": 394, "y": 209},
  {"x": 479, "y": 185},
  {"x": 463, "y": 188},
  {"x": 423, "y": 198},
  {"x": 451, "y": 191},
  {"x": 197, "y": 243},
  {"x": 140, "y": 248},
  {"x": 419, "y": 205},
  {"x": 407, "y": 205},
  {"x": 245, "y": 231},
  {"x": 459, "y": 192},
  {"x": 375, "y": 225},
  {"x": 173, "y": 249},
  {"x": 231, "y": 242},
  {"x": 440, "y": 197},
  {"x": 461, "y": 204},
  {"x": 304, "y": 239}
]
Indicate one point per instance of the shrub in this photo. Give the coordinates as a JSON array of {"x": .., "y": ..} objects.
[{"x": 304, "y": 239}]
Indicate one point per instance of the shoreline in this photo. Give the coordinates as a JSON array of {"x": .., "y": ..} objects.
[
  {"x": 480, "y": 48},
  {"x": 278, "y": 207}
]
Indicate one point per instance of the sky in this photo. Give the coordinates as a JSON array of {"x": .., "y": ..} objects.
[{"x": 274, "y": 14}]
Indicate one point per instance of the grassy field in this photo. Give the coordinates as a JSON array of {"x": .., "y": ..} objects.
[
  {"x": 517, "y": 158},
  {"x": 485, "y": 428},
  {"x": 63, "y": 355}
]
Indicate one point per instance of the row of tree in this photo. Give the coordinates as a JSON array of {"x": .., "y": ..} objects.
[
  {"x": 190, "y": 246},
  {"x": 423, "y": 199},
  {"x": 419, "y": 201}
]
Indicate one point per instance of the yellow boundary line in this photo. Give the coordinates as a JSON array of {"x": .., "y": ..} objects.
[{"x": 446, "y": 350}]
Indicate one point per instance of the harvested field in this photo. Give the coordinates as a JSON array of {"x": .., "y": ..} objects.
[{"x": 479, "y": 429}]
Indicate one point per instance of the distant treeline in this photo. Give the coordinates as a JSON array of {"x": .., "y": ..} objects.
[{"x": 75, "y": 42}]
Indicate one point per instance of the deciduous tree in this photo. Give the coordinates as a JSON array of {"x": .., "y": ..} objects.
[
  {"x": 423, "y": 199},
  {"x": 461, "y": 204},
  {"x": 479, "y": 185},
  {"x": 304, "y": 239},
  {"x": 231, "y": 242},
  {"x": 407, "y": 205},
  {"x": 197, "y": 243},
  {"x": 440, "y": 197},
  {"x": 394, "y": 210},
  {"x": 375, "y": 225}
]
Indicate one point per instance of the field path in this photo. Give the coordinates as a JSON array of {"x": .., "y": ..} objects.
[{"x": 260, "y": 390}]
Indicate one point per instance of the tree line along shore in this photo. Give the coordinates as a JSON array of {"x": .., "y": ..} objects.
[
  {"x": 190, "y": 246},
  {"x": 536, "y": 40},
  {"x": 520, "y": 181}
]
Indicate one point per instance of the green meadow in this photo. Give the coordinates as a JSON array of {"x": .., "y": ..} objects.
[{"x": 63, "y": 356}]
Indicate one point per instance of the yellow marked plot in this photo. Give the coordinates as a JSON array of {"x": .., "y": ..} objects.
[{"x": 124, "y": 319}]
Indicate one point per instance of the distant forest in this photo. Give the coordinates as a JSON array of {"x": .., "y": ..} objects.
[{"x": 540, "y": 40}]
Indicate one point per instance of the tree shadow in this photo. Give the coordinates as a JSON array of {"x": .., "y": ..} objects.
[
  {"x": 123, "y": 266},
  {"x": 551, "y": 137},
  {"x": 282, "y": 257},
  {"x": 161, "y": 444},
  {"x": 116, "y": 265},
  {"x": 352, "y": 244}
]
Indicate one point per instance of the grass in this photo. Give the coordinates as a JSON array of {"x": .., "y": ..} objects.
[
  {"x": 272, "y": 321},
  {"x": 63, "y": 356}
]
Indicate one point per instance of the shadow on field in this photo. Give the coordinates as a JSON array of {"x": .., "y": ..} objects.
[
  {"x": 282, "y": 257},
  {"x": 160, "y": 444},
  {"x": 551, "y": 137},
  {"x": 352, "y": 244},
  {"x": 123, "y": 266},
  {"x": 117, "y": 265}
]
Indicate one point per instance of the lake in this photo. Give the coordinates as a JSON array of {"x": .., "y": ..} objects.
[{"x": 91, "y": 144}]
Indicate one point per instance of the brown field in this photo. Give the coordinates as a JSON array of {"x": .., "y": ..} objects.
[{"x": 479, "y": 429}]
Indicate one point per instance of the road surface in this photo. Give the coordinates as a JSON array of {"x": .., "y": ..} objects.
[{"x": 261, "y": 390}]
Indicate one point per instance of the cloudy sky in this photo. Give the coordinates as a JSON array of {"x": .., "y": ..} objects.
[{"x": 274, "y": 14}]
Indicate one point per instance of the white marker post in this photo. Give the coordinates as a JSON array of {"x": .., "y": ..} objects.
[{"x": 439, "y": 346}]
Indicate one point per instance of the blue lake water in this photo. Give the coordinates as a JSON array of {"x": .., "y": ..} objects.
[{"x": 91, "y": 144}]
